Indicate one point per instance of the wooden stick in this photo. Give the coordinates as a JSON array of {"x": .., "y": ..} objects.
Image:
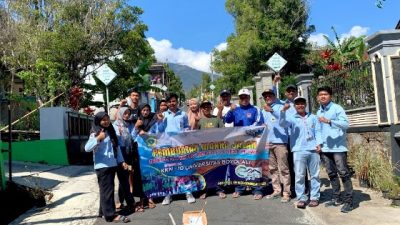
[{"x": 31, "y": 112}]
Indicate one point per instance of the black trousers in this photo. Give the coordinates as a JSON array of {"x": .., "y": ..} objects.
[
  {"x": 336, "y": 163},
  {"x": 124, "y": 192},
  {"x": 105, "y": 178}
]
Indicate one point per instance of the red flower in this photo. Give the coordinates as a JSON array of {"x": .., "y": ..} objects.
[
  {"x": 88, "y": 110},
  {"x": 326, "y": 54}
]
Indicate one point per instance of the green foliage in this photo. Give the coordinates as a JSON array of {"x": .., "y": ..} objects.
[
  {"x": 203, "y": 89},
  {"x": 174, "y": 84},
  {"x": 262, "y": 28}
]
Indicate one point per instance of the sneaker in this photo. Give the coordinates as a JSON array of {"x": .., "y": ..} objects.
[
  {"x": 167, "y": 200},
  {"x": 333, "y": 203},
  {"x": 347, "y": 207},
  {"x": 285, "y": 199},
  {"x": 273, "y": 195},
  {"x": 190, "y": 198}
]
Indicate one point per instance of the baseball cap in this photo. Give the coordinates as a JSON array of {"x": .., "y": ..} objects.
[
  {"x": 291, "y": 86},
  {"x": 244, "y": 91},
  {"x": 299, "y": 99},
  {"x": 268, "y": 91},
  {"x": 204, "y": 103},
  {"x": 225, "y": 91}
]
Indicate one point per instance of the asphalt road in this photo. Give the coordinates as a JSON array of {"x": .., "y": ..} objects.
[{"x": 229, "y": 211}]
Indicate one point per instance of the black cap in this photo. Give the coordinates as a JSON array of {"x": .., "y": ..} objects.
[
  {"x": 268, "y": 91},
  {"x": 299, "y": 99},
  {"x": 204, "y": 103},
  {"x": 291, "y": 86},
  {"x": 225, "y": 91}
]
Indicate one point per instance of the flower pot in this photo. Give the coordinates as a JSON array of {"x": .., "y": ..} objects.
[{"x": 364, "y": 183}]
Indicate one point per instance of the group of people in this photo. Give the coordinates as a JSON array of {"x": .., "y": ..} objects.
[{"x": 297, "y": 142}]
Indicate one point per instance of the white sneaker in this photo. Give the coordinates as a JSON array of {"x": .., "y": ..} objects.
[
  {"x": 190, "y": 198},
  {"x": 167, "y": 200}
]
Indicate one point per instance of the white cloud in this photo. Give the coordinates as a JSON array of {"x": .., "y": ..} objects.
[
  {"x": 165, "y": 52},
  {"x": 355, "y": 31},
  {"x": 317, "y": 39},
  {"x": 222, "y": 46}
]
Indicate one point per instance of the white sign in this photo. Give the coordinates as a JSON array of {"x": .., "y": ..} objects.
[
  {"x": 212, "y": 86},
  {"x": 276, "y": 62},
  {"x": 105, "y": 74}
]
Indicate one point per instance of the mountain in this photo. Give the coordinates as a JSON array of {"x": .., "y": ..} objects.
[{"x": 189, "y": 76}]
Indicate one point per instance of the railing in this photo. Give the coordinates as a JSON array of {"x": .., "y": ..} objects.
[{"x": 352, "y": 87}]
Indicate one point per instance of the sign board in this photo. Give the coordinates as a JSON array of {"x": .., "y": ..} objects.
[
  {"x": 212, "y": 86},
  {"x": 276, "y": 62},
  {"x": 105, "y": 74}
]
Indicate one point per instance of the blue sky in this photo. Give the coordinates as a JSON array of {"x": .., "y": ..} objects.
[{"x": 185, "y": 31}]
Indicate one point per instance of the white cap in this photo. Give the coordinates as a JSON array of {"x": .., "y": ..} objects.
[{"x": 244, "y": 91}]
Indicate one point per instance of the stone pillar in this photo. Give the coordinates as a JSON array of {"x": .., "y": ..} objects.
[
  {"x": 384, "y": 53},
  {"x": 265, "y": 83},
  {"x": 304, "y": 81},
  {"x": 251, "y": 89},
  {"x": 258, "y": 85}
]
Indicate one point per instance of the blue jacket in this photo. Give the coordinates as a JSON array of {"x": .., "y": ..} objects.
[
  {"x": 305, "y": 132},
  {"x": 103, "y": 154},
  {"x": 276, "y": 133},
  {"x": 334, "y": 134},
  {"x": 174, "y": 123},
  {"x": 244, "y": 116}
]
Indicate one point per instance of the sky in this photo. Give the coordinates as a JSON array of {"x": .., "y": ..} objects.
[{"x": 186, "y": 31}]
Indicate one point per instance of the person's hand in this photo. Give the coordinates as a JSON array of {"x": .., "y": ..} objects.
[
  {"x": 142, "y": 132},
  {"x": 324, "y": 120},
  {"x": 318, "y": 149},
  {"x": 123, "y": 102},
  {"x": 286, "y": 107},
  {"x": 233, "y": 106},
  {"x": 220, "y": 106},
  {"x": 268, "y": 108},
  {"x": 101, "y": 136},
  {"x": 125, "y": 166},
  {"x": 160, "y": 116},
  {"x": 277, "y": 78},
  {"x": 139, "y": 123}
]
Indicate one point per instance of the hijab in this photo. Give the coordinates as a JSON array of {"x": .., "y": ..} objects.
[
  {"x": 148, "y": 121},
  {"x": 97, "y": 128},
  {"x": 120, "y": 117},
  {"x": 192, "y": 115}
]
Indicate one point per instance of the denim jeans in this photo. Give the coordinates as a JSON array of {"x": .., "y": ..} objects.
[
  {"x": 304, "y": 160},
  {"x": 257, "y": 190},
  {"x": 336, "y": 163}
]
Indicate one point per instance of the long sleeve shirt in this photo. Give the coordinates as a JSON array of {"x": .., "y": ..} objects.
[
  {"x": 305, "y": 132},
  {"x": 103, "y": 153},
  {"x": 276, "y": 133},
  {"x": 244, "y": 116},
  {"x": 174, "y": 122},
  {"x": 333, "y": 134}
]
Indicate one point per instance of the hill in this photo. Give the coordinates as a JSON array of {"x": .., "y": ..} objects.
[{"x": 189, "y": 76}]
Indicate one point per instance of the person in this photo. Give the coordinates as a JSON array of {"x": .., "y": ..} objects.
[
  {"x": 174, "y": 120},
  {"x": 207, "y": 121},
  {"x": 124, "y": 129},
  {"x": 145, "y": 124},
  {"x": 334, "y": 123},
  {"x": 132, "y": 102},
  {"x": 245, "y": 115},
  {"x": 306, "y": 146},
  {"x": 107, "y": 156},
  {"x": 193, "y": 112},
  {"x": 277, "y": 140},
  {"x": 224, "y": 105},
  {"x": 163, "y": 106}
]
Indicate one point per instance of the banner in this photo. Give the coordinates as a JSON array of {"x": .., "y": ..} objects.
[{"x": 176, "y": 163}]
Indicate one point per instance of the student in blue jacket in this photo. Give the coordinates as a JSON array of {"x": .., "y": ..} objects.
[
  {"x": 334, "y": 123},
  {"x": 305, "y": 144},
  {"x": 107, "y": 156}
]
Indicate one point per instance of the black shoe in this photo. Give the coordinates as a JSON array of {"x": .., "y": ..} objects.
[
  {"x": 347, "y": 207},
  {"x": 333, "y": 203}
]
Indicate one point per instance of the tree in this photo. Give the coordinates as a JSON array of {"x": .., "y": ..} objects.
[
  {"x": 262, "y": 28},
  {"x": 58, "y": 40},
  {"x": 203, "y": 89},
  {"x": 174, "y": 84}
]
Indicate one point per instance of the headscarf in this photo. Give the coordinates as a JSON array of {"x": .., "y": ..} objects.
[
  {"x": 148, "y": 121},
  {"x": 120, "y": 117},
  {"x": 123, "y": 125},
  {"x": 97, "y": 128},
  {"x": 192, "y": 115}
]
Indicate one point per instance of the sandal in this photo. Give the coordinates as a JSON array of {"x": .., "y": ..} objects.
[
  {"x": 257, "y": 196},
  {"x": 139, "y": 208},
  {"x": 221, "y": 195},
  {"x": 236, "y": 194},
  {"x": 301, "y": 205},
  {"x": 313, "y": 203},
  {"x": 121, "y": 219},
  {"x": 203, "y": 196},
  {"x": 273, "y": 195}
]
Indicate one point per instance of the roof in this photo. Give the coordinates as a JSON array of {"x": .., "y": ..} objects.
[{"x": 398, "y": 26}]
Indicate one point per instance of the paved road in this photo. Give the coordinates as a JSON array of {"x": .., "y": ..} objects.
[{"x": 229, "y": 211}]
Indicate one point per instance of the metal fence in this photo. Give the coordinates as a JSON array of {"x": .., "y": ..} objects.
[{"x": 352, "y": 87}]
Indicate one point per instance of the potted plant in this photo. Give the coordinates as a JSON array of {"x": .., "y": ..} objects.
[{"x": 360, "y": 161}]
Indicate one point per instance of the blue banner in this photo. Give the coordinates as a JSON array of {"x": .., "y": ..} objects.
[{"x": 194, "y": 160}]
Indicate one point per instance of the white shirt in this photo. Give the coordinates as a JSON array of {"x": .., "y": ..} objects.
[{"x": 224, "y": 112}]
